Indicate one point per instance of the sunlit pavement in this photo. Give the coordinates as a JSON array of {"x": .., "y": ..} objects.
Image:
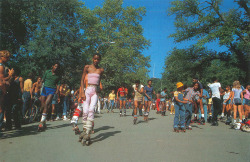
[{"x": 117, "y": 139}]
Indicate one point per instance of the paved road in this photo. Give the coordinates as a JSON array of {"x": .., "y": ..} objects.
[{"x": 117, "y": 139}]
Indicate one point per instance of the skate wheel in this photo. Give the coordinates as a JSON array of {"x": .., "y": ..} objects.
[
  {"x": 88, "y": 142},
  {"x": 83, "y": 142}
]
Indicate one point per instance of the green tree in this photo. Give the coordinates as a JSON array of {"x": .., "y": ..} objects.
[
  {"x": 206, "y": 22},
  {"x": 123, "y": 61},
  {"x": 182, "y": 65}
]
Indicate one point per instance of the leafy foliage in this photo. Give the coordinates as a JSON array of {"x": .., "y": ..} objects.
[
  {"x": 40, "y": 33},
  {"x": 204, "y": 21}
]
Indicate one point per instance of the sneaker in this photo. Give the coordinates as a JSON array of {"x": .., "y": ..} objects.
[
  {"x": 189, "y": 127},
  {"x": 65, "y": 119}
]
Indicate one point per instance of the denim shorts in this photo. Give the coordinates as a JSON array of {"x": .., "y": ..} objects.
[
  {"x": 246, "y": 102},
  {"x": 237, "y": 101},
  {"x": 48, "y": 91},
  {"x": 226, "y": 103},
  {"x": 54, "y": 100},
  {"x": 122, "y": 98}
]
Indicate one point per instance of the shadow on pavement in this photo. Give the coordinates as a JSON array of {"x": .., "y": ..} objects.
[
  {"x": 151, "y": 118},
  {"x": 28, "y": 130},
  {"x": 196, "y": 126},
  {"x": 103, "y": 136},
  {"x": 103, "y": 128}
]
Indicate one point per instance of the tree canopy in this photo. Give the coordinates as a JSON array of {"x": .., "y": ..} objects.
[
  {"x": 205, "y": 22},
  {"x": 40, "y": 33}
]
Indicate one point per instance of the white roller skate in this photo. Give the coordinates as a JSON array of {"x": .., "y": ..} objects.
[
  {"x": 74, "y": 125},
  {"x": 84, "y": 137}
]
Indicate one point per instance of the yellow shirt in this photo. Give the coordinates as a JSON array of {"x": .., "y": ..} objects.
[
  {"x": 27, "y": 85},
  {"x": 112, "y": 96}
]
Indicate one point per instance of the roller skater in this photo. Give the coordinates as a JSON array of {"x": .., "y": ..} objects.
[
  {"x": 148, "y": 91},
  {"x": 138, "y": 91},
  {"x": 121, "y": 95},
  {"x": 89, "y": 97},
  {"x": 51, "y": 80},
  {"x": 163, "y": 102}
]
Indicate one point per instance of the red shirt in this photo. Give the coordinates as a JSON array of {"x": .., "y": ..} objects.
[{"x": 122, "y": 91}]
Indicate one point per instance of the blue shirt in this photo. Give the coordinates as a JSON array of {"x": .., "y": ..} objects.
[
  {"x": 163, "y": 94},
  {"x": 149, "y": 91},
  {"x": 205, "y": 93}
]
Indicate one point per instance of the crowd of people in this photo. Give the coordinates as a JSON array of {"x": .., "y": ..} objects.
[{"x": 56, "y": 100}]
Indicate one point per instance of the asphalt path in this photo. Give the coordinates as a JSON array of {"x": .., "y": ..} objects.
[{"x": 117, "y": 139}]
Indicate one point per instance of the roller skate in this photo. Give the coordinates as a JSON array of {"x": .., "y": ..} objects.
[
  {"x": 124, "y": 114},
  {"x": 176, "y": 130},
  {"x": 84, "y": 137},
  {"x": 120, "y": 114},
  {"x": 76, "y": 129},
  {"x": 202, "y": 121},
  {"x": 183, "y": 130},
  {"x": 135, "y": 121},
  {"x": 41, "y": 127},
  {"x": 195, "y": 120},
  {"x": 163, "y": 113}
]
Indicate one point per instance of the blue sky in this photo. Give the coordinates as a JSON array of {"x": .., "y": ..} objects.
[{"x": 157, "y": 27}]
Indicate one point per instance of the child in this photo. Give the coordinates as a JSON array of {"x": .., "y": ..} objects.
[{"x": 179, "y": 108}]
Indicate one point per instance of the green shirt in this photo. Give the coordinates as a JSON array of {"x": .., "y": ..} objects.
[{"x": 50, "y": 80}]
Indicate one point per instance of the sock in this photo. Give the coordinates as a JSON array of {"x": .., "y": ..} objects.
[
  {"x": 202, "y": 115},
  {"x": 222, "y": 114},
  {"x": 195, "y": 115},
  {"x": 234, "y": 121},
  {"x": 43, "y": 119},
  {"x": 210, "y": 114}
]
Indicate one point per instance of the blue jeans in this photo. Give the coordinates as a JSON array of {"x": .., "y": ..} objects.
[
  {"x": 205, "y": 112},
  {"x": 105, "y": 105},
  {"x": 26, "y": 101},
  {"x": 111, "y": 105},
  {"x": 65, "y": 105},
  {"x": 179, "y": 111},
  {"x": 188, "y": 113}
]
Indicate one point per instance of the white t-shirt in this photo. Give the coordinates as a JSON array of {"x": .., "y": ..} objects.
[
  {"x": 215, "y": 88},
  {"x": 139, "y": 88}
]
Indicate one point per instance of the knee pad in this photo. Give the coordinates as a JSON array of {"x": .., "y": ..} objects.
[{"x": 77, "y": 112}]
